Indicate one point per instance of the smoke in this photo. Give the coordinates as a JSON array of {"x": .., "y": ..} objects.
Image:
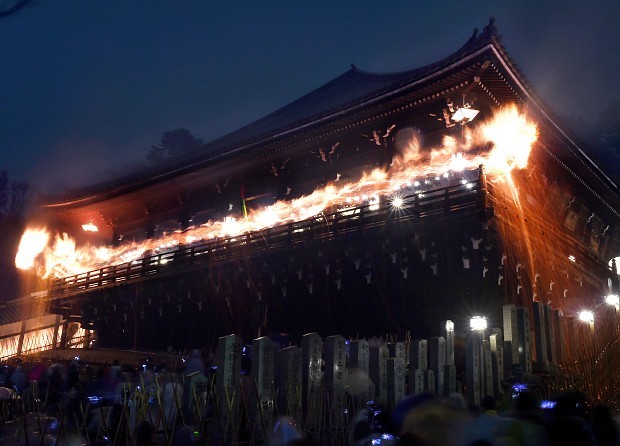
[{"x": 572, "y": 60}]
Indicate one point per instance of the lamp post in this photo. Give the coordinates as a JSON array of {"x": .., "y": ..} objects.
[{"x": 474, "y": 360}]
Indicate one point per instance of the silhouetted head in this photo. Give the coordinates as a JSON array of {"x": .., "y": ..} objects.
[
  {"x": 525, "y": 402},
  {"x": 145, "y": 434},
  {"x": 488, "y": 403}
]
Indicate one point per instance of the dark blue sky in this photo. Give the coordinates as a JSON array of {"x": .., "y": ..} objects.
[{"x": 86, "y": 87}]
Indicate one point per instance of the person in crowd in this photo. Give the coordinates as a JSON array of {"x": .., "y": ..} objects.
[
  {"x": 172, "y": 397},
  {"x": 145, "y": 434},
  {"x": 484, "y": 426},
  {"x": 285, "y": 431},
  {"x": 18, "y": 379},
  {"x": 119, "y": 424},
  {"x": 185, "y": 436},
  {"x": 524, "y": 424},
  {"x": 115, "y": 369},
  {"x": 604, "y": 427},
  {"x": 435, "y": 423},
  {"x": 567, "y": 424},
  {"x": 195, "y": 363}
]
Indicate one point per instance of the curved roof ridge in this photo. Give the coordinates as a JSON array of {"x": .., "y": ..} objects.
[
  {"x": 368, "y": 73},
  {"x": 475, "y": 42}
]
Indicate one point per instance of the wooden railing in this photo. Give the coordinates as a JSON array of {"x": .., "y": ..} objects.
[{"x": 450, "y": 199}]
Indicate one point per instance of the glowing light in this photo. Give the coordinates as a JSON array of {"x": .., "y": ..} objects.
[
  {"x": 464, "y": 114},
  {"x": 90, "y": 227},
  {"x": 374, "y": 203},
  {"x": 478, "y": 323},
  {"x": 32, "y": 243},
  {"x": 586, "y": 316},
  {"x": 397, "y": 202},
  {"x": 230, "y": 226},
  {"x": 501, "y": 144},
  {"x": 449, "y": 326},
  {"x": 457, "y": 162},
  {"x": 614, "y": 300},
  {"x": 512, "y": 136},
  {"x": 103, "y": 253},
  {"x": 267, "y": 218},
  {"x": 572, "y": 258}
]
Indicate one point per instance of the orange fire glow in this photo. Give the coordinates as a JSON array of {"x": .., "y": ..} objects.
[
  {"x": 501, "y": 145},
  {"x": 90, "y": 227},
  {"x": 32, "y": 243}
]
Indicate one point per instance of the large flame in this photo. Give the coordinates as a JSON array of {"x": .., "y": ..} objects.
[
  {"x": 501, "y": 145},
  {"x": 32, "y": 243},
  {"x": 512, "y": 137}
]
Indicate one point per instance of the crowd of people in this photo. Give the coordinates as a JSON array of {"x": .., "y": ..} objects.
[
  {"x": 428, "y": 420},
  {"x": 93, "y": 402},
  {"x": 76, "y": 397}
]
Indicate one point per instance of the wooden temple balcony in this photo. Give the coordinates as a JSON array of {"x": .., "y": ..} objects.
[{"x": 459, "y": 198}]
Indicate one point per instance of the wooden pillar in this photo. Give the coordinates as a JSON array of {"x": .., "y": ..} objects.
[
  {"x": 20, "y": 342},
  {"x": 86, "y": 342},
  {"x": 63, "y": 336},
  {"x": 56, "y": 328}
]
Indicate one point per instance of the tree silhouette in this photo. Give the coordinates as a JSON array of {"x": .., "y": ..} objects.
[
  {"x": 608, "y": 125},
  {"x": 13, "y": 197},
  {"x": 173, "y": 144},
  {"x": 13, "y": 203},
  {"x": 601, "y": 137},
  {"x": 605, "y": 138}
]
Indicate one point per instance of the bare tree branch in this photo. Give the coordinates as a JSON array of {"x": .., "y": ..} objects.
[
  {"x": 18, "y": 198},
  {"x": 174, "y": 143},
  {"x": 4, "y": 194},
  {"x": 13, "y": 196}
]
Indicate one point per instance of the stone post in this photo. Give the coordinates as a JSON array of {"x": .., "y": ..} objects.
[
  {"x": 497, "y": 356},
  {"x": 263, "y": 375},
  {"x": 358, "y": 379},
  {"x": 228, "y": 387},
  {"x": 312, "y": 377},
  {"x": 437, "y": 361},
  {"x": 396, "y": 380},
  {"x": 473, "y": 369},
  {"x": 288, "y": 381},
  {"x": 511, "y": 337},
  {"x": 540, "y": 336},
  {"x": 525, "y": 346},
  {"x": 378, "y": 372}
]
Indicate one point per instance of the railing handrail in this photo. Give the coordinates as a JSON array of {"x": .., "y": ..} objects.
[{"x": 452, "y": 198}]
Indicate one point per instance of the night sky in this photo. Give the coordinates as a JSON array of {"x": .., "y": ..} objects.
[{"x": 86, "y": 87}]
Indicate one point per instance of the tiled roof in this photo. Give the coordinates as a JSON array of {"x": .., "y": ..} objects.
[
  {"x": 352, "y": 89},
  {"x": 355, "y": 92}
]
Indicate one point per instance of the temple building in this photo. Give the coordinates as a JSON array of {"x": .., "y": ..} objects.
[{"x": 372, "y": 205}]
